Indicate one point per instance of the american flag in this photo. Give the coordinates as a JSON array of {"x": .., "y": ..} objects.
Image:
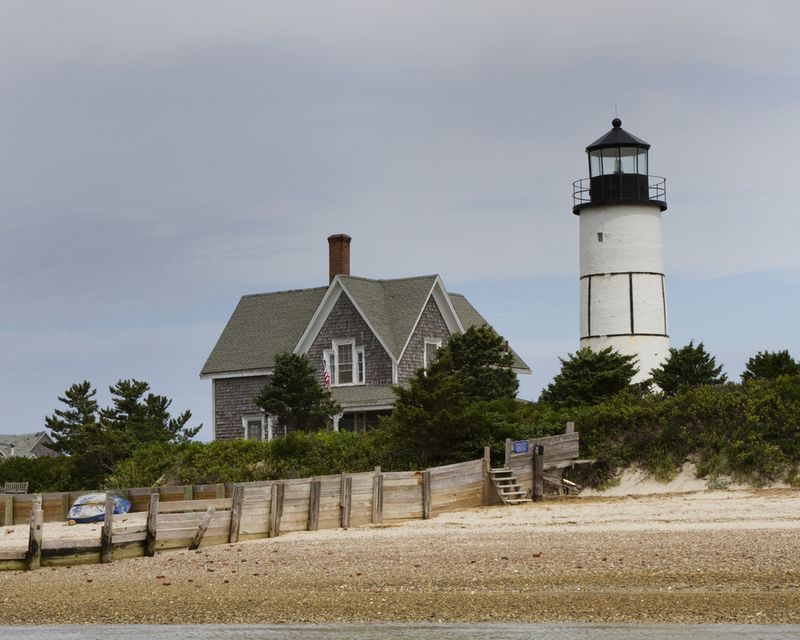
[{"x": 326, "y": 375}]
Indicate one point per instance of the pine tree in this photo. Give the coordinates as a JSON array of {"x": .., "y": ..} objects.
[
  {"x": 589, "y": 377},
  {"x": 768, "y": 365},
  {"x": 71, "y": 426},
  {"x": 294, "y": 396},
  {"x": 689, "y": 366}
]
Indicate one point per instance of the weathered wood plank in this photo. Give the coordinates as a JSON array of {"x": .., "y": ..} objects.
[
  {"x": 33, "y": 558},
  {"x": 152, "y": 526},
  {"x": 538, "y": 472},
  {"x": 180, "y": 506},
  {"x": 276, "y": 510},
  {"x": 313, "y": 506},
  {"x": 426, "y": 495},
  {"x": 107, "y": 532},
  {"x": 201, "y": 530},
  {"x": 236, "y": 512},
  {"x": 345, "y": 489},
  {"x": 377, "y": 498}
]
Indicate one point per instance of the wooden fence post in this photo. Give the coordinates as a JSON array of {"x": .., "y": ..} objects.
[
  {"x": 33, "y": 558},
  {"x": 236, "y": 512},
  {"x": 426, "y": 494},
  {"x": 570, "y": 427},
  {"x": 538, "y": 472},
  {"x": 508, "y": 452},
  {"x": 276, "y": 510},
  {"x": 9, "y": 516},
  {"x": 65, "y": 506},
  {"x": 106, "y": 532},
  {"x": 313, "y": 505},
  {"x": 487, "y": 476},
  {"x": 152, "y": 524},
  {"x": 345, "y": 500},
  {"x": 377, "y": 497},
  {"x": 201, "y": 530}
]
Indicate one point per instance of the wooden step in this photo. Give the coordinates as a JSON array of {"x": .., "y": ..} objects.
[{"x": 507, "y": 487}]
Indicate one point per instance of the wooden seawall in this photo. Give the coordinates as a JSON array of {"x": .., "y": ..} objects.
[{"x": 175, "y": 517}]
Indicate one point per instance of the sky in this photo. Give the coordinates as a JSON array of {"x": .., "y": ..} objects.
[{"x": 159, "y": 159}]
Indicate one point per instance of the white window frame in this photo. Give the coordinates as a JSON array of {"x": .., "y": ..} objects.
[
  {"x": 253, "y": 417},
  {"x": 358, "y": 356},
  {"x": 437, "y": 342}
]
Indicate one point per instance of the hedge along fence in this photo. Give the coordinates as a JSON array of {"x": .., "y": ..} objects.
[{"x": 267, "y": 509}]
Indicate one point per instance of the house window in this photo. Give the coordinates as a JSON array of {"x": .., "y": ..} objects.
[
  {"x": 431, "y": 347},
  {"x": 346, "y": 363},
  {"x": 253, "y": 427}
]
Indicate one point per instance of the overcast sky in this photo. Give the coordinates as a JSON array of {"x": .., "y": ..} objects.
[{"x": 160, "y": 159}]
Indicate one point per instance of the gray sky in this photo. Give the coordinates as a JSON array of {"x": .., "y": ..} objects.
[{"x": 160, "y": 159}]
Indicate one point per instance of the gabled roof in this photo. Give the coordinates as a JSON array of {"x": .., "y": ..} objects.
[
  {"x": 265, "y": 325},
  {"x": 261, "y": 327},
  {"x": 391, "y": 306},
  {"x": 23, "y": 443}
]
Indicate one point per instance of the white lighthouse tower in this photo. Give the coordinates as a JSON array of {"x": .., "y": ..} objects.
[{"x": 623, "y": 297}]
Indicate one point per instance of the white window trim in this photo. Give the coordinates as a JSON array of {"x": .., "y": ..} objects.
[
  {"x": 434, "y": 341},
  {"x": 334, "y": 370},
  {"x": 254, "y": 416}
]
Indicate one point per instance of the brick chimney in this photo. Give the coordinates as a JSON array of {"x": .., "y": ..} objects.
[{"x": 338, "y": 256}]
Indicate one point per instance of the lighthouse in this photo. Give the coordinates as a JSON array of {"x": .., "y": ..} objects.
[{"x": 623, "y": 302}]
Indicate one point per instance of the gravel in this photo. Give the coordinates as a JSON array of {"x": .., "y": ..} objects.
[{"x": 705, "y": 557}]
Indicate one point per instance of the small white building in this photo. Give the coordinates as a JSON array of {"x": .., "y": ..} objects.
[{"x": 623, "y": 295}]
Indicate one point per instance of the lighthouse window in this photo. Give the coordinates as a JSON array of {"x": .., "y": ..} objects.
[
  {"x": 642, "y": 162},
  {"x": 594, "y": 163},
  {"x": 611, "y": 161},
  {"x": 600, "y": 237},
  {"x": 628, "y": 158}
]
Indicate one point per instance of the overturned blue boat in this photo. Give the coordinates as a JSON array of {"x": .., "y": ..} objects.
[{"x": 92, "y": 507}]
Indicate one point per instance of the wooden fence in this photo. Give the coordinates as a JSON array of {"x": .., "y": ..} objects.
[
  {"x": 174, "y": 517},
  {"x": 16, "y": 509}
]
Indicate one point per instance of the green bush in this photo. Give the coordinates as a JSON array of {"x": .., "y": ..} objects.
[{"x": 41, "y": 474}]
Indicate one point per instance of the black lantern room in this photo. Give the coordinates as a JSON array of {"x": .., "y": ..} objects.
[{"x": 618, "y": 173}]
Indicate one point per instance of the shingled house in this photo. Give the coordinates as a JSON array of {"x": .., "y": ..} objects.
[
  {"x": 26, "y": 445},
  {"x": 370, "y": 334}
]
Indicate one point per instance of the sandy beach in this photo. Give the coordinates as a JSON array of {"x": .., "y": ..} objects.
[{"x": 703, "y": 556}]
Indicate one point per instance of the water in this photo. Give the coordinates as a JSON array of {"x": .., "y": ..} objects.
[{"x": 405, "y": 632}]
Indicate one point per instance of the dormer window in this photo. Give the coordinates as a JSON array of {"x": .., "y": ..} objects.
[{"x": 346, "y": 363}]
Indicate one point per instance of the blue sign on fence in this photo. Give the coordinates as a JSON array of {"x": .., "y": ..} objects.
[{"x": 520, "y": 446}]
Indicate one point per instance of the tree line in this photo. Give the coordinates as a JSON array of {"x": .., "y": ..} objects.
[{"x": 465, "y": 400}]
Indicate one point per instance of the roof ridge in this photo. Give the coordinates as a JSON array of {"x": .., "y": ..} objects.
[
  {"x": 362, "y": 278},
  {"x": 272, "y": 293}
]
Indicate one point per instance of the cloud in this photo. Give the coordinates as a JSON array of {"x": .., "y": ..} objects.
[{"x": 161, "y": 159}]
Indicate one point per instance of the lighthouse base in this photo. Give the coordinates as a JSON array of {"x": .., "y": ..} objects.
[{"x": 650, "y": 351}]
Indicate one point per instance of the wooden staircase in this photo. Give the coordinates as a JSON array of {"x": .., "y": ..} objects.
[{"x": 507, "y": 486}]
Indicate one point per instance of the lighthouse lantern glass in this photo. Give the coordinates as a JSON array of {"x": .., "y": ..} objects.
[
  {"x": 594, "y": 163},
  {"x": 641, "y": 163}
]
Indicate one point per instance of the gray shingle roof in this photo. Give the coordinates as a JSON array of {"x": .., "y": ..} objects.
[
  {"x": 23, "y": 443},
  {"x": 265, "y": 325},
  {"x": 391, "y": 306},
  {"x": 363, "y": 396},
  {"x": 261, "y": 327}
]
